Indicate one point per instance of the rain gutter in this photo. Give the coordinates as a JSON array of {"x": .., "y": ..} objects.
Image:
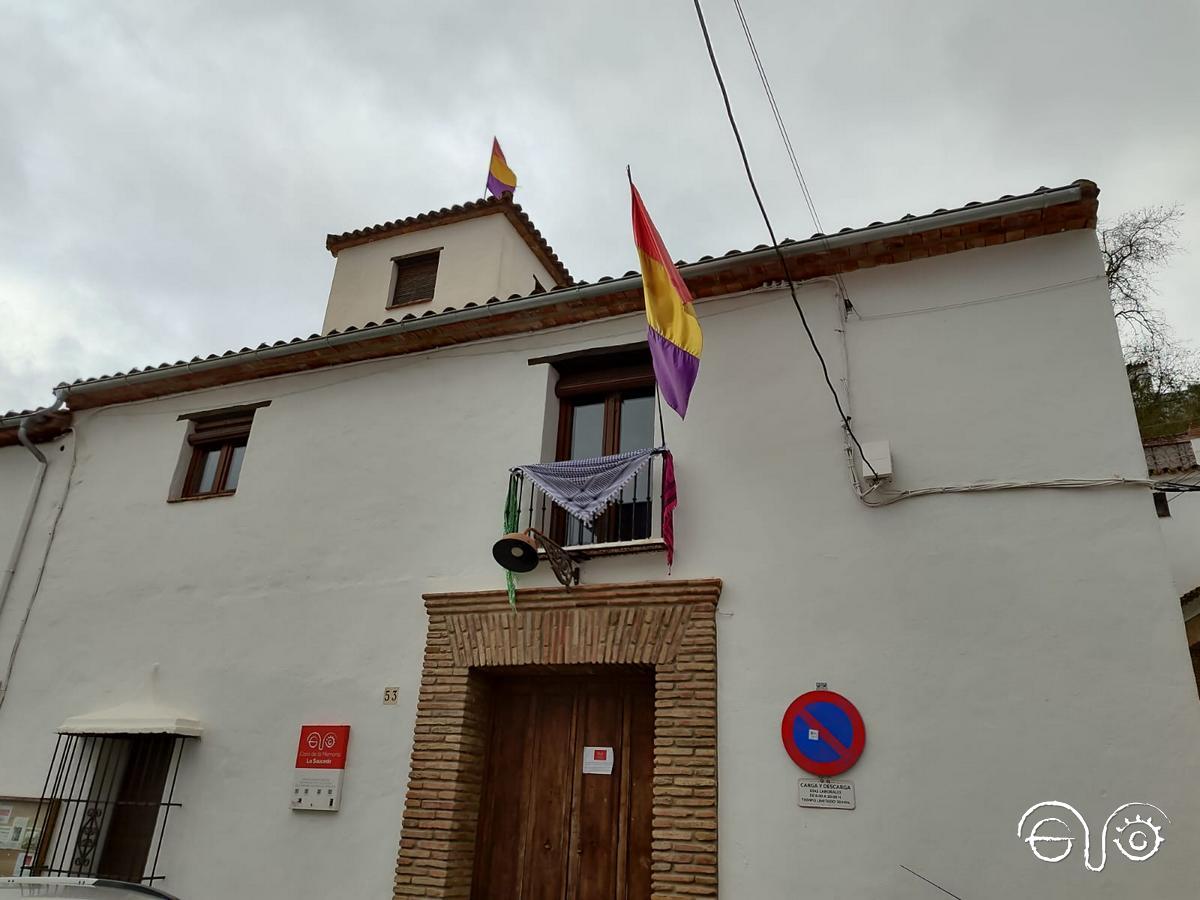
[{"x": 604, "y": 287}]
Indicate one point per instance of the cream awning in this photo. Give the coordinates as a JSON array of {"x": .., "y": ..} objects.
[{"x": 134, "y": 717}]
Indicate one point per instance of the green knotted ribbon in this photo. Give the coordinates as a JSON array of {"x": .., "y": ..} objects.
[{"x": 511, "y": 513}]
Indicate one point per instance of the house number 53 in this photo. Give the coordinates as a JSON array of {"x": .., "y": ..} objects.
[{"x": 389, "y": 696}]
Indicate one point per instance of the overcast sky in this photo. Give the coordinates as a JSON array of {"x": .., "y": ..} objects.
[{"x": 169, "y": 170}]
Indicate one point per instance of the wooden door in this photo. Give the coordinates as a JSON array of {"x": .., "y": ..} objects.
[
  {"x": 546, "y": 830},
  {"x": 136, "y": 807}
]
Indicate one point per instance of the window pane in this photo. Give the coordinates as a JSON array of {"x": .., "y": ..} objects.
[
  {"x": 235, "y": 468},
  {"x": 637, "y": 423},
  {"x": 587, "y": 431},
  {"x": 578, "y": 533},
  {"x": 209, "y": 471},
  {"x": 631, "y": 514}
]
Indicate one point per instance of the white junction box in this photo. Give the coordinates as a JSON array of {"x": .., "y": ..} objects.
[{"x": 877, "y": 455}]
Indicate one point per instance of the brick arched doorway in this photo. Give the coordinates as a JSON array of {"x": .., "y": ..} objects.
[{"x": 666, "y": 627}]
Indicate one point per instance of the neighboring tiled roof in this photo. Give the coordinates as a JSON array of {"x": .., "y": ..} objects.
[
  {"x": 910, "y": 237},
  {"x": 1173, "y": 454},
  {"x": 46, "y": 426},
  {"x": 473, "y": 209}
]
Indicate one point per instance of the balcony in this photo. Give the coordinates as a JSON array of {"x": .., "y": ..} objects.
[{"x": 631, "y": 523}]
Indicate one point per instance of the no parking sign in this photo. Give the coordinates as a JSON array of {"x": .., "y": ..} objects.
[{"x": 823, "y": 733}]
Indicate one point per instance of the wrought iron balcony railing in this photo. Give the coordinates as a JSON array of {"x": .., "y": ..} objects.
[{"x": 633, "y": 518}]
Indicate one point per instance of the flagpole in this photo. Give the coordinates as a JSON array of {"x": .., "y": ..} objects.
[
  {"x": 488, "y": 179},
  {"x": 662, "y": 428}
]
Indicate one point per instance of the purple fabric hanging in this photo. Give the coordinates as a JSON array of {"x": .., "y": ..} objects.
[{"x": 670, "y": 500}]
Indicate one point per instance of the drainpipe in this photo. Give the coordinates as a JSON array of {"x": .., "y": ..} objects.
[{"x": 10, "y": 570}]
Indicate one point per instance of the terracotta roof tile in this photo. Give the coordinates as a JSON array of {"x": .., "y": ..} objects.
[
  {"x": 473, "y": 209},
  {"x": 337, "y": 242}
]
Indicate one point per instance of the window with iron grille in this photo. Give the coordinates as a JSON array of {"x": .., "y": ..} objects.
[
  {"x": 413, "y": 278},
  {"x": 105, "y": 804},
  {"x": 218, "y": 442}
]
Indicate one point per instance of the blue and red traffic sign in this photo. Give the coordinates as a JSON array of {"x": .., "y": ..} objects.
[{"x": 823, "y": 733}]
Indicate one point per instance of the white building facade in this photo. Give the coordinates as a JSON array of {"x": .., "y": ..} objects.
[
  {"x": 225, "y": 550},
  {"x": 1173, "y": 460}
]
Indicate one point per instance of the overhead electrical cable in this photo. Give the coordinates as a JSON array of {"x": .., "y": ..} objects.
[
  {"x": 885, "y": 498},
  {"x": 712, "y": 56},
  {"x": 787, "y": 144}
]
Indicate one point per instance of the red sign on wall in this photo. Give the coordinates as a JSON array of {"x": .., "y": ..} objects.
[{"x": 322, "y": 746}]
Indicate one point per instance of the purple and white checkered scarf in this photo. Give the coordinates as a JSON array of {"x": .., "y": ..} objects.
[{"x": 584, "y": 487}]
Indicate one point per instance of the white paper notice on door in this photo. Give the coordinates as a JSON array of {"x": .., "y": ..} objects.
[{"x": 597, "y": 760}]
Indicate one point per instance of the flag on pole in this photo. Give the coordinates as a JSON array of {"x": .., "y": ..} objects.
[
  {"x": 673, "y": 332},
  {"x": 501, "y": 179}
]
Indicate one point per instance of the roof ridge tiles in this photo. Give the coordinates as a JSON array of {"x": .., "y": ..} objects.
[{"x": 504, "y": 204}]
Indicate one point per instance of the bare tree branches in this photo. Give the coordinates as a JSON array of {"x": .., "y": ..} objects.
[
  {"x": 1163, "y": 371},
  {"x": 1135, "y": 247}
]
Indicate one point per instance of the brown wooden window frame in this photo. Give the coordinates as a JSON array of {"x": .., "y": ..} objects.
[
  {"x": 223, "y": 432},
  {"x": 609, "y": 378},
  {"x": 612, "y": 384},
  {"x": 409, "y": 262}
]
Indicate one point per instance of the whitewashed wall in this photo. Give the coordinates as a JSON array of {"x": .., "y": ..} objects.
[
  {"x": 1182, "y": 535},
  {"x": 1003, "y": 648},
  {"x": 18, "y": 470}
]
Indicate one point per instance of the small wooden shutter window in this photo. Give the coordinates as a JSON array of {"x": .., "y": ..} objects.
[
  {"x": 220, "y": 429},
  {"x": 415, "y": 278},
  {"x": 605, "y": 380},
  {"x": 218, "y": 441}
]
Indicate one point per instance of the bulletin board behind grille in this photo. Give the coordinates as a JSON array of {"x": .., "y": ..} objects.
[{"x": 24, "y": 834}]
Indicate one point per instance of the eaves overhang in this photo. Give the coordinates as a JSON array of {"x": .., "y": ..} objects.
[
  {"x": 42, "y": 426},
  {"x": 1011, "y": 218}
]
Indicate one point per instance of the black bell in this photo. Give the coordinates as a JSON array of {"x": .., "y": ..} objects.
[{"x": 516, "y": 552}]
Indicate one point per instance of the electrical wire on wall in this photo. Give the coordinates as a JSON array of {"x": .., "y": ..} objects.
[
  {"x": 41, "y": 569},
  {"x": 876, "y": 495},
  {"x": 712, "y": 56}
]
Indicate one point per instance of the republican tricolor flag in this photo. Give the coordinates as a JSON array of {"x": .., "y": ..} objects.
[
  {"x": 674, "y": 332},
  {"x": 501, "y": 179}
]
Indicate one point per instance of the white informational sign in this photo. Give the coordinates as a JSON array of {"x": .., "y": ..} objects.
[
  {"x": 317, "y": 789},
  {"x": 826, "y": 794},
  {"x": 597, "y": 760}
]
